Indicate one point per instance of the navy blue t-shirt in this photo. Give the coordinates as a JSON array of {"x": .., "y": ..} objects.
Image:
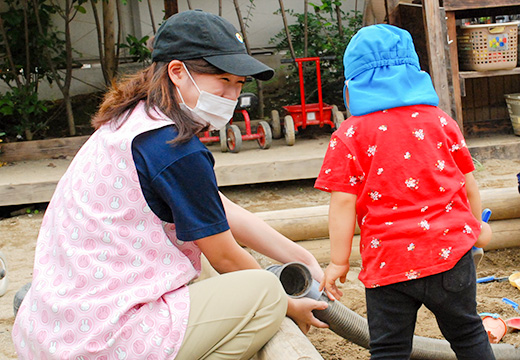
[{"x": 179, "y": 184}]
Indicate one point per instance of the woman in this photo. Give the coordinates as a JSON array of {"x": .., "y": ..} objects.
[{"x": 122, "y": 237}]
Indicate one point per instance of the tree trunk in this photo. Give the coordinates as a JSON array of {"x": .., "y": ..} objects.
[
  {"x": 100, "y": 40},
  {"x": 109, "y": 38},
  {"x": 69, "y": 113},
  {"x": 150, "y": 10},
  {"x": 27, "y": 52},
  {"x": 340, "y": 26},
  {"x": 68, "y": 15},
  {"x": 65, "y": 88},
  {"x": 242, "y": 26},
  {"x": 286, "y": 27},
  {"x": 28, "y": 134},
  {"x": 8, "y": 52},
  {"x": 119, "y": 36},
  {"x": 246, "y": 42}
]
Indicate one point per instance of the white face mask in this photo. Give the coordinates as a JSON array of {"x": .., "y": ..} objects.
[{"x": 210, "y": 109}]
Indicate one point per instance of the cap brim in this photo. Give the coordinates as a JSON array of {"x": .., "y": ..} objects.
[{"x": 241, "y": 65}]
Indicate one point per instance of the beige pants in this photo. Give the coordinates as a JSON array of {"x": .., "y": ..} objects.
[{"x": 233, "y": 315}]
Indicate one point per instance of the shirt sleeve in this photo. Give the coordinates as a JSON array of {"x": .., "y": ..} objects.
[
  {"x": 340, "y": 170},
  {"x": 179, "y": 184},
  {"x": 189, "y": 187}
]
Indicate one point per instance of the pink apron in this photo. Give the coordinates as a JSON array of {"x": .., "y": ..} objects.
[{"x": 109, "y": 276}]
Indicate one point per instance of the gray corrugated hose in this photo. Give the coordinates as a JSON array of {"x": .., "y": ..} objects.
[{"x": 297, "y": 281}]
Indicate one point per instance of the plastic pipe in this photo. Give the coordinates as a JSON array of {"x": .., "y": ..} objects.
[{"x": 297, "y": 281}]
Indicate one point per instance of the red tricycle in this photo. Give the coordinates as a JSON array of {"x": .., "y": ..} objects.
[
  {"x": 234, "y": 137},
  {"x": 230, "y": 137},
  {"x": 210, "y": 137},
  {"x": 299, "y": 116}
]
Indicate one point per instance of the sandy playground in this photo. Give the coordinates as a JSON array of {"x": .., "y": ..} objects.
[{"x": 18, "y": 237}]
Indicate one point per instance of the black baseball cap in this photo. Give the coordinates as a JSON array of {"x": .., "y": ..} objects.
[{"x": 196, "y": 34}]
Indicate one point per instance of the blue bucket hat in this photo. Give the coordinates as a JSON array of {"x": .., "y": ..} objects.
[{"x": 383, "y": 71}]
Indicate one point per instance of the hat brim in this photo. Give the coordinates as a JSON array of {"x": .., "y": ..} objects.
[{"x": 241, "y": 65}]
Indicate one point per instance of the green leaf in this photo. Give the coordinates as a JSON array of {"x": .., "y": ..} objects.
[
  {"x": 7, "y": 110},
  {"x": 80, "y": 9}
]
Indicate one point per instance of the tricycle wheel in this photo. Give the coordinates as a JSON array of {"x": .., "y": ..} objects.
[
  {"x": 234, "y": 138},
  {"x": 3, "y": 274},
  {"x": 223, "y": 139},
  {"x": 276, "y": 125},
  {"x": 290, "y": 133},
  {"x": 266, "y": 137},
  {"x": 337, "y": 116}
]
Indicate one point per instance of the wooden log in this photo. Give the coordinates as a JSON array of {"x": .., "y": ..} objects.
[
  {"x": 41, "y": 149},
  {"x": 320, "y": 249},
  {"x": 300, "y": 223},
  {"x": 504, "y": 203},
  {"x": 506, "y": 234},
  {"x": 312, "y": 222},
  {"x": 289, "y": 343}
]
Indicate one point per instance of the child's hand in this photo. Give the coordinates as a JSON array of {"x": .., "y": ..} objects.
[
  {"x": 332, "y": 273},
  {"x": 485, "y": 235}
]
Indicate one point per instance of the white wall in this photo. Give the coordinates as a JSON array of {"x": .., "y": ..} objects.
[{"x": 264, "y": 25}]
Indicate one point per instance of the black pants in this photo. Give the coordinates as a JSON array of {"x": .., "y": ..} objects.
[{"x": 450, "y": 296}]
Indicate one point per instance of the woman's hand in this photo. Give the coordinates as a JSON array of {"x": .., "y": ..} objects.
[
  {"x": 316, "y": 270},
  {"x": 300, "y": 310},
  {"x": 332, "y": 273}
]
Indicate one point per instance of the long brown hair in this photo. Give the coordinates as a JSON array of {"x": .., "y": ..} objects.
[{"x": 153, "y": 86}]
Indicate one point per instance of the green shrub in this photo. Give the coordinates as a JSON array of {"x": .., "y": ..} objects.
[{"x": 137, "y": 48}]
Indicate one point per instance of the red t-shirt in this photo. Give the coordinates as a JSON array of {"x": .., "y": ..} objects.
[{"x": 406, "y": 165}]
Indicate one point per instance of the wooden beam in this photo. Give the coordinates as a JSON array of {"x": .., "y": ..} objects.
[
  {"x": 435, "y": 42},
  {"x": 486, "y": 74},
  {"x": 273, "y": 171},
  {"x": 18, "y": 194},
  {"x": 392, "y": 11},
  {"x": 41, "y": 149},
  {"x": 453, "y": 5},
  {"x": 170, "y": 7},
  {"x": 454, "y": 65}
]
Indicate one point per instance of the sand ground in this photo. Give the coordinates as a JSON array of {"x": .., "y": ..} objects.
[{"x": 18, "y": 238}]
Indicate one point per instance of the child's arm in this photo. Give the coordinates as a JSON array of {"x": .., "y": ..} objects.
[
  {"x": 476, "y": 208},
  {"x": 342, "y": 223}
]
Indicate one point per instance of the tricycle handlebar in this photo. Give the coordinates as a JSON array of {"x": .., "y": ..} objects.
[{"x": 329, "y": 57}]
